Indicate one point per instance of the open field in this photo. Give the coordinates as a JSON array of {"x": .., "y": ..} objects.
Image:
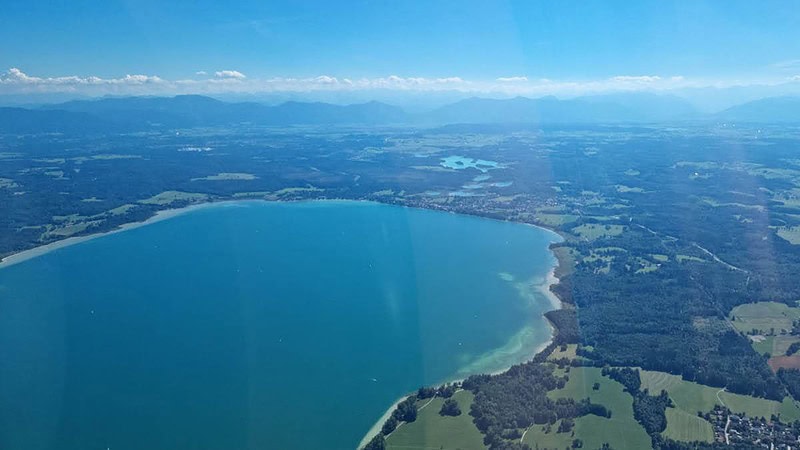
[
  {"x": 692, "y": 397},
  {"x": 169, "y": 197},
  {"x": 685, "y": 258},
  {"x": 786, "y": 362},
  {"x": 790, "y": 234},
  {"x": 227, "y": 176},
  {"x": 621, "y": 431},
  {"x": 683, "y": 426},
  {"x": 763, "y": 344},
  {"x": 554, "y": 220},
  {"x": 778, "y": 344},
  {"x": 432, "y": 431},
  {"x": 766, "y": 317},
  {"x": 569, "y": 353},
  {"x": 593, "y": 231}
]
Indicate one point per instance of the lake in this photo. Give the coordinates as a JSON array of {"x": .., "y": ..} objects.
[{"x": 255, "y": 325}]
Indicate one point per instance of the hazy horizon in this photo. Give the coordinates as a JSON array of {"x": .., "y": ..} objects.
[{"x": 416, "y": 55}]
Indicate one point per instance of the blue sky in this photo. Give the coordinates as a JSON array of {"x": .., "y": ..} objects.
[{"x": 564, "y": 43}]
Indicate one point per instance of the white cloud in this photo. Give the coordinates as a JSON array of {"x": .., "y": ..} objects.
[
  {"x": 201, "y": 73},
  {"x": 512, "y": 79},
  {"x": 15, "y": 81},
  {"x": 636, "y": 78},
  {"x": 16, "y": 78},
  {"x": 235, "y": 74}
]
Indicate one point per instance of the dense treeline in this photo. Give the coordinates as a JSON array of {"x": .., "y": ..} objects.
[
  {"x": 791, "y": 378},
  {"x": 627, "y": 377},
  {"x": 565, "y": 322},
  {"x": 648, "y": 410},
  {"x": 517, "y": 399},
  {"x": 654, "y": 327}
]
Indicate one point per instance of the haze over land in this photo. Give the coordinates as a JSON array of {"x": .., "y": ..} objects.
[{"x": 309, "y": 284}]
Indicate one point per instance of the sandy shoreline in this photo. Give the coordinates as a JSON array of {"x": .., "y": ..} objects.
[
  {"x": 550, "y": 280},
  {"x": 545, "y": 287},
  {"x": 164, "y": 214}
]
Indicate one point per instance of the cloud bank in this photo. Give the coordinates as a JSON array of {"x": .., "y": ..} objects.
[{"x": 16, "y": 81}]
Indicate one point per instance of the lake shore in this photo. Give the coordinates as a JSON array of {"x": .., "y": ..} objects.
[
  {"x": 164, "y": 214},
  {"x": 546, "y": 289}
]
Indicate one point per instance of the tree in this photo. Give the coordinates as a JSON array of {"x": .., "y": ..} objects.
[
  {"x": 390, "y": 425},
  {"x": 426, "y": 392},
  {"x": 407, "y": 409},
  {"x": 450, "y": 408},
  {"x": 377, "y": 443}
]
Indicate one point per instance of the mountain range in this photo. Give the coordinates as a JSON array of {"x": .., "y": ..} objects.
[{"x": 186, "y": 111}]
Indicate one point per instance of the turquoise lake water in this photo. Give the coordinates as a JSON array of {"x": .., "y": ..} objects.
[{"x": 259, "y": 325}]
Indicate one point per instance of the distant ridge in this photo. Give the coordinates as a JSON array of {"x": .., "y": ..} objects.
[
  {"x": 187, "y": 111},
  {"x": 198, "y": 110},
  {"x": 766, "y": 110},
  {"x": 594, "y": 109}
]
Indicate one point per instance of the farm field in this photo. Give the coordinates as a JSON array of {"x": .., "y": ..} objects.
[
  {"x": 621, "y": 431},
  {"x": 692, "y": 397},
  {"x": 432, "y": 431}
]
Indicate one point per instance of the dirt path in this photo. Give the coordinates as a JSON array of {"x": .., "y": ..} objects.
[
  {"x": 523, "y": 434},
  {"x": 719, "y": 399},
  {"x": 716, "y": 258},
  {"x": 727, "y": 424}
]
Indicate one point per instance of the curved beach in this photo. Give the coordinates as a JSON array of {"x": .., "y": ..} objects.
[
  {"x": 545, "y": 289},
  {"x": 498, "y": 360}
]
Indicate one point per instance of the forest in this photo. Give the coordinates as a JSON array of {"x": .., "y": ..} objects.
[{"x": 665, "y": 228}]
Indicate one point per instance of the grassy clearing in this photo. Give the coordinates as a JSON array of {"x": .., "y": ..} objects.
[
  {"x": 8, "y": 183},
  {"x": 225, "y": 176},
  {"x": 660, "y": 258},
  {"x": 554, "y": 220},
  {"x": 691, "y": 397},
  {"x": 432, "y": 431},
  {"x": 763, "y": 344},
  {"x": 765, "y": 317},
  {"x": 646, "y": 266},
  {"x": 621, "y": 431},
  {"x": 567, "y": 258},
  {"x": 169, "y": 197},
  {"x": 686, "y": 427},
  {"x": 781, "y": 343},
  {"x": 687, "y": 258},
  {"x": 251, "y": 194},
  {"x": 120, "y": 210},
  {"x": 110, "y": 156},
  {"x": 622, "y": 189},
  {"x": 297, "y": 190},
  {"x": 790, "y": 234},
  {"x": 593, "y": 231},
  {"x": 570, "y": 353}
]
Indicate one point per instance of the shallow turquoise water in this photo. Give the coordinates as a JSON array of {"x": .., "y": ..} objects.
[{"x": 259, "y": 326}]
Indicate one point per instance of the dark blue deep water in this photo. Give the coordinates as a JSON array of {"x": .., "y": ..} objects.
[{"x": 259, "y": 326}]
